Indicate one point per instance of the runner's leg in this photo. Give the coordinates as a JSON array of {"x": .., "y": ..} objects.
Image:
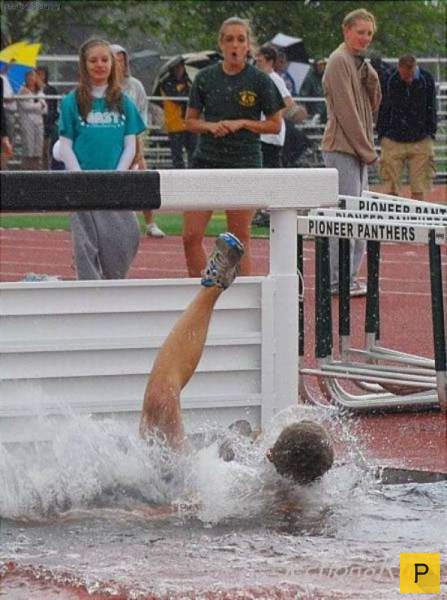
[{"x": 174, "y": 367}]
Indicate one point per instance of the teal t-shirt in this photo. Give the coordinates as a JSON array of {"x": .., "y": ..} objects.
[
  {"x": 98, "y": 142},
  {"x": 243, "y": 96}
]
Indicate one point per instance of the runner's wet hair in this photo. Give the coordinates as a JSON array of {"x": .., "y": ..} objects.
[
  {"x": 303, "y": 452},
  {"x": 114, "y": 94}
]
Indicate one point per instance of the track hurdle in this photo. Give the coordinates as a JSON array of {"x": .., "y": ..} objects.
[
  {"x": 391, "y": 207},
  {"x": 90, "y": 345},
  {"x": 420, "y": 229}
]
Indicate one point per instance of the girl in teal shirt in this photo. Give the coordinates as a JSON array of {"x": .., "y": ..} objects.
[{"x": 97, "y": 131}]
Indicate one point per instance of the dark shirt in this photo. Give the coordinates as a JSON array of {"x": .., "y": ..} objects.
[
  {"x": 243, "y": 96},
  {"x": 408, "y": 112},
  {"x": 289, "y": 81},
  {"x": 2, "y": 114},
  {"x": 172, "y": 87},
  {"x": 51, "y": 117},
  {"x": 312, "y": 87}
]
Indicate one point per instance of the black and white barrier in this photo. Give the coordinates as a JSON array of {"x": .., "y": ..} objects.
[
  {"x": 91, "y": 343},
  {"x": 184, "y": 189}
]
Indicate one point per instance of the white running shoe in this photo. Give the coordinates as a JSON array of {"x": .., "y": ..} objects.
[{"x": 153, "y": 230}]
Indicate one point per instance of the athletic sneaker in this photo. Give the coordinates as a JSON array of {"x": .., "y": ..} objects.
[
  {"x": 224, "y": 262},
  {"x": 153, "y": 230},
  {"x": 356, "y": 289}
]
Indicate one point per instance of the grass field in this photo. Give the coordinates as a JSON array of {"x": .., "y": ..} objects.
[{"x": 170, "y": 223}]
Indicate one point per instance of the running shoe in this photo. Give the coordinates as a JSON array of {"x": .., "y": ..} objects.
[
  {"x": 357, "y": 289},
  {"x": 153, "y": 230},
  {"x": 224, "y": 262}
]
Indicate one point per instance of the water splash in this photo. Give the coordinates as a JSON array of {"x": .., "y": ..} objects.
[
  {"x": 236, "y": 522},
  {"x": 88, "y": 463},
  {"x": 98, "y": 464}
]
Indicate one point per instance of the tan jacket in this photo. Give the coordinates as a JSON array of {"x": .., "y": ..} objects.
[{"x": 353, "y": 94}]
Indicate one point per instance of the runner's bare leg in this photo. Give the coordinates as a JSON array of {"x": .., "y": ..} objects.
[{"x": 174, "y": 367}]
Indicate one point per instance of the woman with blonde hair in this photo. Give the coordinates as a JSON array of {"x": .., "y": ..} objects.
[
  {"x": 98, "y": 128},
  {"x": 225, "y": 107},
  {"x": 31, "y": 114},
  {"x": 352, "y": 91}
]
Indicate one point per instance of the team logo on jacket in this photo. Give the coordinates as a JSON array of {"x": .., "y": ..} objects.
[{"x": 247, "y": 98}]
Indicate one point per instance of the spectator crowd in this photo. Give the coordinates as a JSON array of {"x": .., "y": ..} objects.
[{"x": 243, "y": 112}]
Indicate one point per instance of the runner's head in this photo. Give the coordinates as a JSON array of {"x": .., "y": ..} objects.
[{"x": 303, "y": 452}]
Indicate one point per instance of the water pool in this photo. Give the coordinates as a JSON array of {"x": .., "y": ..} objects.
[{"x": 89, "y": 514}]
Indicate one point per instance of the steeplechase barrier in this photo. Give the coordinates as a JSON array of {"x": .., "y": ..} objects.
[
  {"x": 89, "y": 345},
  {"x": 392, "y": 378}
]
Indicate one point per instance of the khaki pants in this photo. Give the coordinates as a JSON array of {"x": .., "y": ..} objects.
[{"x": 421, "y": 164}]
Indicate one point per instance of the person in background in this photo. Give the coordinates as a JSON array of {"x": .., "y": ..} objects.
[
  {"x": 407, "y": 126},
  {"x": 9, "y": 109},
  {"x": 98, "y": 129},
  {"x": 51, "y": 116},
  {"x": 31, "y": 113},
  {"x": 272, "y": 144},
  {"x": 384, "y": 71},
  {"x": 6, "y": 146},
  {"x": 302, "y": 453},
  {"x": 352, "y": 91},
  {"x": 177, "y": 84},
  {"x": 231, "y": 96},
  {"x": 136, "y": 92},
  {"x": 281, "y": 66},
  {"x": 312, "y": 87}
]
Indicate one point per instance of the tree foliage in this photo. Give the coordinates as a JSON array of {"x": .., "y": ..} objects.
[{"x": 416, "y": 26}]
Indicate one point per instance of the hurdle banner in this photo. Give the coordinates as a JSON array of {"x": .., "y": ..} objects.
[
  {"x": 386, "y": 204},
  {"x": 90, "y": 344},
  {"x": 358, "y": 214},
  {"x": 411, "y": 201},
  {"x": 382, "y": 231}
]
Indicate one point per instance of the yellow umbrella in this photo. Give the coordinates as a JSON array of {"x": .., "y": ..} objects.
[{"x": 22, "y": 53}]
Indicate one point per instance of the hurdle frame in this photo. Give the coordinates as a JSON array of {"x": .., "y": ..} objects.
[{"x": 347, "y": 224}]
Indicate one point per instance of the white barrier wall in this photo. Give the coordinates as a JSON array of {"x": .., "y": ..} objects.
[{"x": 90, "y": 346}]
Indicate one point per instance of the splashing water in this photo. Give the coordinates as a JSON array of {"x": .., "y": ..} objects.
[{"x": 100, "y": 508}]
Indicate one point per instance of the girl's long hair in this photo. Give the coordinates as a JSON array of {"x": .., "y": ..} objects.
[{"x": 114, "y": 94}]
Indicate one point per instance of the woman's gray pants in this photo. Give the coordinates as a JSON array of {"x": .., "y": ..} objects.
[
  {"x": 105, "y": 243},
  {"x": 352, "y": 179}
]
